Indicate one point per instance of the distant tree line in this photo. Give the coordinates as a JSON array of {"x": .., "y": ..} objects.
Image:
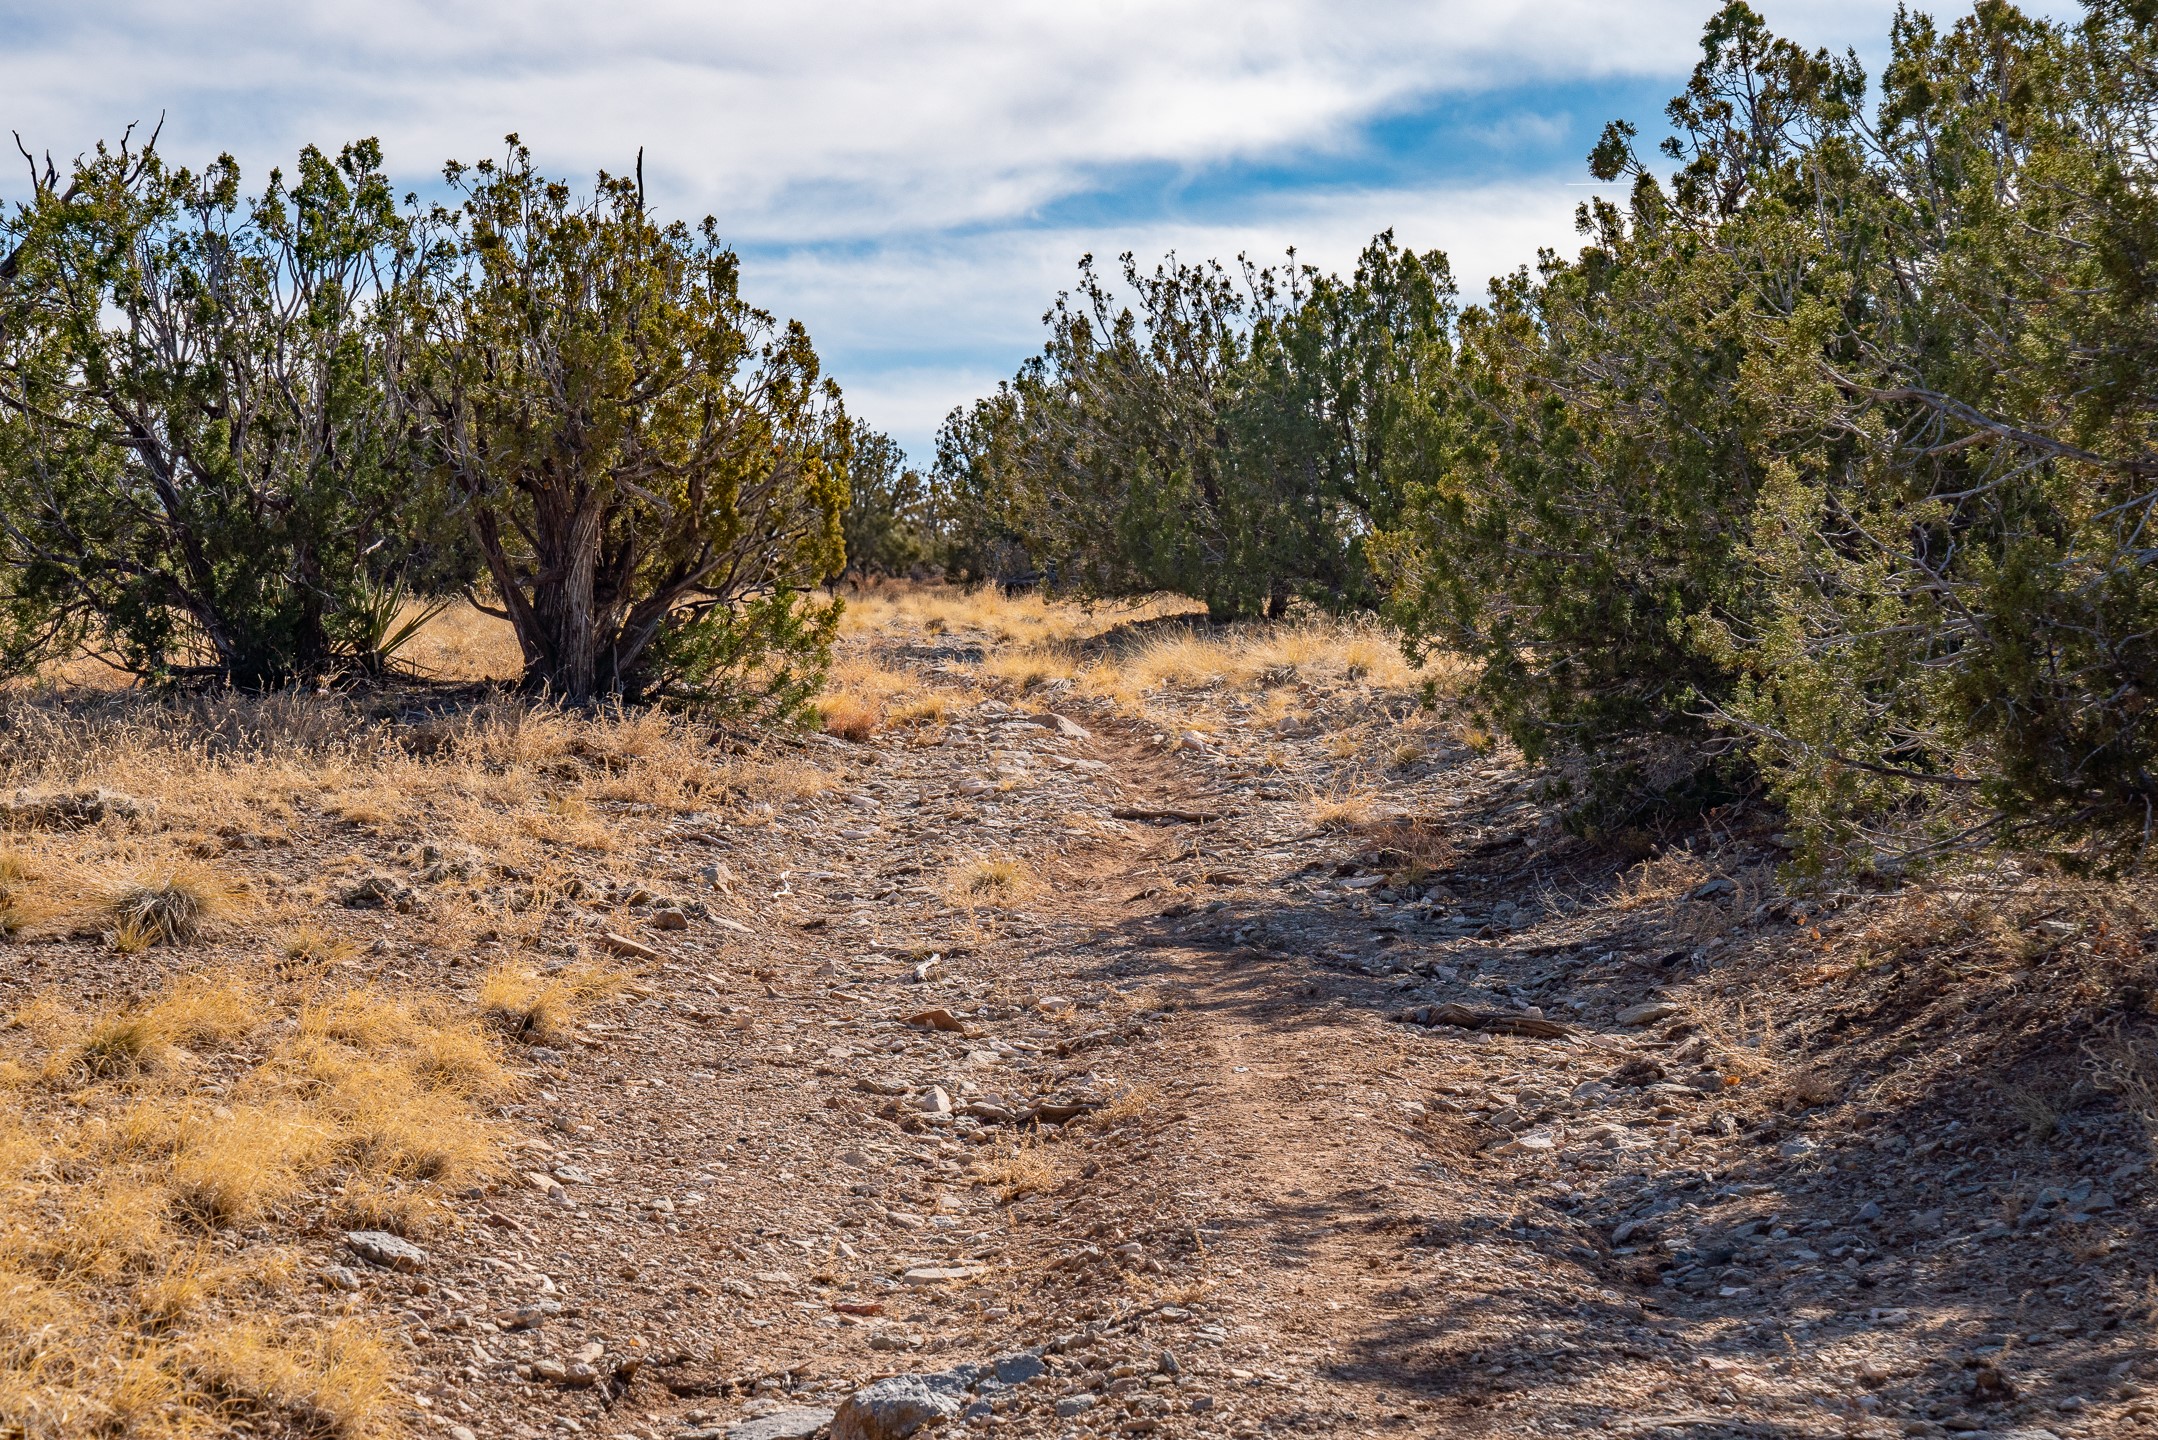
[
  {"x": 1829, "y": 461},
  {"x": 241, "y": 434}
]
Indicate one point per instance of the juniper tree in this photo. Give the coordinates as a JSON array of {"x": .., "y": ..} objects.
[
  {"x": 200, "y": 467},
  {"x": 645, "y": 460}
]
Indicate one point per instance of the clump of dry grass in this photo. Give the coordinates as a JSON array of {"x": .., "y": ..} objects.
[
  {"x": 1412, "y": 850},
  {"x": 863, "y": 695},
  {"x": 1031, "y": 668},
  {"x": 1253, "y": 657},
  {"x": 778, "y": 779},
  {"x": 571, "y": 822},
  {"x": 1343, "y": 811},
  {"x": 1347, "y": 744},
  {"x": 22, "y": 903},
  {"x": 995, "y": 880},
  {"x": 1755, "y": 1050},
  {"x": 309, "y": 947},
  {"x": 1133, "y": 1102},
  {"x": 1659, "y": 880},
  {"x": 848, "y": 716},
  {"x": 228, "y": 1167},
  {"x": 1011, "y": 620},
  {"x": 1286, "y": 663},
  {"x": 1022, "y": 1170},
  {"x": 198, "y": 1013},
  {"x": 2118, "y": 1067},
  {"x": 923, "y": 711},
  {"x": 1947, "y": 924},
  {"x": 336, "y": 1379},
  {"x": 461, "y": 643},
  {"x": 122, "y": 1046},
  {"x": 167, "y": 907},
  {"x": 533, "y": 1007}
]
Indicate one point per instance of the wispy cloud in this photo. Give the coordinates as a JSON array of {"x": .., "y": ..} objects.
[
  {"x": 902, "y": 173},
  {"x": 925, "y": 310}
]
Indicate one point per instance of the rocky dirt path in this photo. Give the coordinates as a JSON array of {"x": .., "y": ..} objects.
[{"x": 1137, "y": 1141}]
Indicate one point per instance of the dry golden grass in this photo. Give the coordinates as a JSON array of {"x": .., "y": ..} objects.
[
  {"x": 167, "y": 907},
  {"x": 460, "y": 643},
  {"x": 308, "y": 947},
  {"x": 1251, "y": 657},
  {"x": 1412, "y": 850},
  {"x": 118, "y": 1313},
  {"x": 872, "y": 682},
  {"x": 1756, "y": 1050},
  {"x": 571, "y": 821},
  {"x": 24, "y": 902},
  {"x": 533, "y": 1007},
  {"x": 2118, "y": 1067},
  {"x": 779, "y": 780},
  {"x": 153, "y": 1150},
  {"x": 1660, "y": 880},
  {"x": 1968, "y": 926},
  {"x": 1343, "y": 811},
  {"x": 995, "y": 880},
  {"x": 157, "y": 1152},
  {"x": 927, "y": 710},
  {"x": 197, "y": 1012},
  {"x": 986, "y": 612},
  {"x": 231, "y": 1164},
  {"x": 1133, "y": 1102},
  {"x": 848, "y": 716},
  {"x": 1028, "y": 669},
  {"x": 1024, "y": 1169},
  {"x": 1284, "y": 665}
]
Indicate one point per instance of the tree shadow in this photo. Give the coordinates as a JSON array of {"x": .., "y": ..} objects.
[{"x": 1861, "y": 1230}]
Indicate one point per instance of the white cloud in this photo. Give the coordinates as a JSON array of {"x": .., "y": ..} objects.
[
  {"x": 807, "y": 120},
  {"x": 945, "y": 301},
  {"x": 911, "y": 147}
]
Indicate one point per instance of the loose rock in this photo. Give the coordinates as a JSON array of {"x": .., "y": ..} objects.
[
  {"x": 899, "y": 1407},
  {"x": 797, "y": 1424},
  {"x": 391, "y": 1252},
  {"x": 382, "y": 892}
]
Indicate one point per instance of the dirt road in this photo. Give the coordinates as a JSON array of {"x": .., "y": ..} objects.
[
  {"x": 1128, "y": 1033},
  {"x": 1143, "y": 1104}
]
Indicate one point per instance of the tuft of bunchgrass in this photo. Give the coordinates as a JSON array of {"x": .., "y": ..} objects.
[
  {"x": 168, "y": 907},
  {"x": 996, "y": 880},
  {"x": 21, "y": 901},
  {"x": 848, "y": 717},
  {"x": 532, "y": 1007},
  {"x": 1022, "y": 1170},
  {"x": 309, "y": 947},
  {"x": 1343, "y": 812}
]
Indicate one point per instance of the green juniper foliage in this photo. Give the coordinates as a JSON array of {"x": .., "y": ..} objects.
[
  {"x": 1827, "y": 462},
  {"x": 891, "y": 522},
  {"x": 1231, "y": 438},
  {"x": 200, "y": 465},
  {"x": 1837, "y": 441},
  {"x": 245, "y": 437},
  {"x": 653, "y": 470}
]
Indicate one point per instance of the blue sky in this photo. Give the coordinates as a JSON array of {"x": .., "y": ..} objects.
[{"x": 916, "y": 180}]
